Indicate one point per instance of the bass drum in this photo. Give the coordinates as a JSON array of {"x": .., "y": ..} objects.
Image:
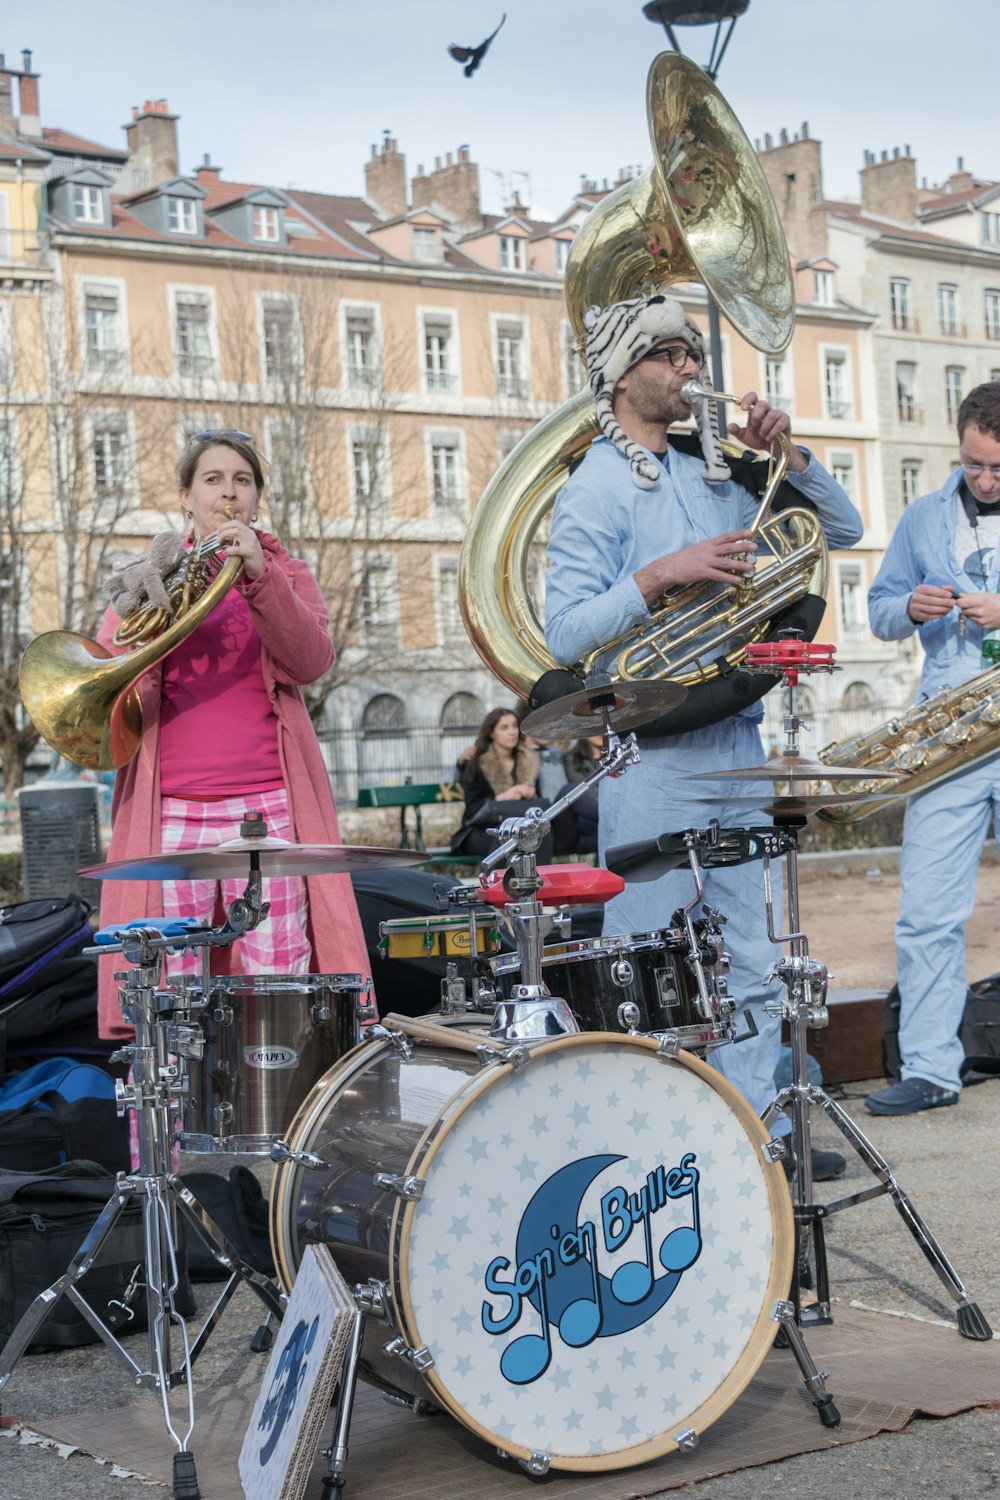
[{"x": 591, "y": 1267}]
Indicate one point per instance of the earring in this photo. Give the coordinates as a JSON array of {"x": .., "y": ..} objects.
[{"x": 253, "y": 518}]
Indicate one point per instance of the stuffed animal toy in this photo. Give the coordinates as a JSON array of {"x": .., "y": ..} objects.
[{"x": 132, "y": 584}]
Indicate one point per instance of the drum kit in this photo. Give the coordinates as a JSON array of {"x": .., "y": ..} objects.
[{"x": 541, "y": 1185}]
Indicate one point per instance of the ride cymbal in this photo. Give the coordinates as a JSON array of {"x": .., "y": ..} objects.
[
  {"x": 578, "y": 715},
  {"x": 795, "y": 768},
  {"x": 233, "y": 860},
  {"x": 797, "y": 804}
]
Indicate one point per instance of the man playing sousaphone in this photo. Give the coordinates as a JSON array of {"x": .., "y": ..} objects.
[{"x": 643, "y": 513}]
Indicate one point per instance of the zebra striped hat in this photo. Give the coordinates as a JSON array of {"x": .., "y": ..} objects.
[{"x": 617, "y": 338}]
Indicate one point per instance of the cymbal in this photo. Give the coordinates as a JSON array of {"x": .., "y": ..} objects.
[
  {"x": 232, "y": 861},
  {"x": 797, "y": 804},
  {"x": 574, "y": 717},
  {"x": 795, "y": 768}
]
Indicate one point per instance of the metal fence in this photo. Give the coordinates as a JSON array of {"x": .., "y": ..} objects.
[{"x": 426, "y": 752}]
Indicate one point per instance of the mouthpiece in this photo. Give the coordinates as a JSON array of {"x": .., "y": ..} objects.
[{"x": 692, "y": 390}]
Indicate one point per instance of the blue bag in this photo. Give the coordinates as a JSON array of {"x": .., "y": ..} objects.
[{"x": 61, "y": 1110}]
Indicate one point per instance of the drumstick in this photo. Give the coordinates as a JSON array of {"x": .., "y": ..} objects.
[{"x": 430, "y": 1031}]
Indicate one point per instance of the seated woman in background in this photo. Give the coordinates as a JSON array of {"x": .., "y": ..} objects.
[
  {"x": 577, "y": 828},
  {"x": 500, "y": 780}
]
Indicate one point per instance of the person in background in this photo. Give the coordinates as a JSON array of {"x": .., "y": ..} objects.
[
  {"x": 500, "y": 780},
  {"x": 940, "y": 577},
  {"x": 226, "y": 729}
]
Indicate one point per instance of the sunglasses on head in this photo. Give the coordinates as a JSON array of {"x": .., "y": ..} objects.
[{"x": 220, "y": 432}]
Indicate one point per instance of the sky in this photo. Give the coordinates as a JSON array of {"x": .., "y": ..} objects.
[{"x": 294, "y": 94}]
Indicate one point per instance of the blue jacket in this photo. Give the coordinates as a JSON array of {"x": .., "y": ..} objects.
[
  {"x": 604, "y": 529},
  {"x": 922, "y": 550}
]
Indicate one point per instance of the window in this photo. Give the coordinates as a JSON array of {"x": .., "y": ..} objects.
[
  {"x": 362, "y": 349},
  {"x": 182, "y": 215},
  {"x": 562, "y": 255},
  {"x": 439, "y": 354},
  {"x": 266, "y": 224},
  {"x": 954, "y": 386},
  {"x": 102, "y": 326},
  {"x": 192, "y": 317},
  {"x": 823, "y": 288},
  {"x": 6, "y": 344},
  {"x": 109, "y": 451},
  {"x": 906, "y": 392},
  {"x": 288, "y": 477},
  {"x": 573, "y": 367},
  {"x": 425, "y": 244},
  {"x": 852, "y": 612},
  {"x": 7, "y": 465},
  {"x": 776, "y": 382},
  {"x": 446, "y": 486},
  {"x": 838, "y": 405},
  {"x": 991, "y": 313},
  {"x": 512, "y": 256},
  {"x": 377, "y": 604},
  {"x": 909, "y": 479},
  {"x": 88, "y": 204},
  {"x": 511, "y": 361},
  {"x": 369, "y": 473},
  {"x": 449, "y": 613},
  {"x": 280, "y": 351},
  {"x": 843, "y": 470},
  {"x": 947, "y": 308},
  {"x": 990, "y": 225},
  {"x": 462, "y": 714},
  {"x": 899, "y": 298}
]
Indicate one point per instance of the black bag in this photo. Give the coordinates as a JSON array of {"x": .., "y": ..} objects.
[
  {"x": 979, "y": 1031},
  {"x": 44, "y": 1219},
  {"x": 34, "y": 934},
  {"x": 59, "y": 1110}
]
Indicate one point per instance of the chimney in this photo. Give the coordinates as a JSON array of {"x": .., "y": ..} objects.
[
  {"x": 206, "y": 172},
  {"x": 385, "y": 178},
  {"x": 960, "y": 180},
  {"x": 794, "y": 172},
  {"x": 31, "y": 121},
  {"x": 151, "y": 137},
  {"x": 889, "y": 186},
  {"x": 454, "y": 188},
  {"x": 7, "y": 126}
]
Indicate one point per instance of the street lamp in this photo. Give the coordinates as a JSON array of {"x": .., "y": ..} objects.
[{"x": 671, "y": 13}]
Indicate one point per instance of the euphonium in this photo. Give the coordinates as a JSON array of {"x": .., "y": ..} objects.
[
  {"x": 703, "y": 211},
  {"x": 82, "y": 699},
  {"x": 928, "y": 743}
]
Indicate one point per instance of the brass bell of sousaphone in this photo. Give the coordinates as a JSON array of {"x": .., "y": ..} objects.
[{"x": 701, "y": 212}]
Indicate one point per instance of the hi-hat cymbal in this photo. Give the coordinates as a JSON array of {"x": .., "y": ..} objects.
[
  {"x": 576, "y": 716},
  {"x": 795, "y": 768},
  {"x": 232, "y": 861},
  {"x": 797, "y": 804}
]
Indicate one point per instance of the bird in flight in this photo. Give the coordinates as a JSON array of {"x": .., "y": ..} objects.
[{"x": 473, "y": 56}]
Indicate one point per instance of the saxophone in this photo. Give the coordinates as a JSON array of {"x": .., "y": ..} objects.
[{"x": 930, "y": 742}]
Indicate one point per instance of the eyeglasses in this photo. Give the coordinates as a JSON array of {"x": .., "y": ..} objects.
[
  {"x": 674, "y": 354},
  {"x": 973, "y": 471},
  {"x": 219, "y": 432}
]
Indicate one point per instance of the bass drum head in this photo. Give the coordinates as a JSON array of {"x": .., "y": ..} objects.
[{"x": 595, "y": 1258}]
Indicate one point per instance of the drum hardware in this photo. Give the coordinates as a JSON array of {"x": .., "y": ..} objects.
[
  {"x": 158, "y": 1087},
  {"x": 803, "y": 1007},
  {"x": 281, "y": 1151},
  {"x": 410, "y": 1189},
  {"x": 624, "y": 705},
  {"x": 629, "y": 1017}
]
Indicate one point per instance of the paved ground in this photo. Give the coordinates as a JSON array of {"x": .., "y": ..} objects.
[{"x": 945, "y": 1160}]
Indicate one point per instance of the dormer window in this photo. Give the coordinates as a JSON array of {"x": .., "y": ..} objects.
[
  {"x": 88, "y": 204},
  {"x": 425, "y": 244},
  {"x": 512, "y": 256},
  {"x": 266, "y": 224},
  {"x": 562, "y": 254},
  {"x": 182, "y": 216},
  {"x": 823, "y": 288}
]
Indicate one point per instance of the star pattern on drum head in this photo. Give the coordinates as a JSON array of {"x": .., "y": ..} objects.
[{"x": 611, "y": 1115}]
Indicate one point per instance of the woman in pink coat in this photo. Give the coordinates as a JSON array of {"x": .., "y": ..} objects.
[{"x": 226, "y": 729}]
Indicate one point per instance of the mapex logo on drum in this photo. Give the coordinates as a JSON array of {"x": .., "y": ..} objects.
[
  {"x": 270, "y": 1057},
  {"x": 561, "y": 1280}
]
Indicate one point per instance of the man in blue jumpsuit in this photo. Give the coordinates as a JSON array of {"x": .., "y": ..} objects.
[
  {"x": 640, "y": 516},
  {"x": 940, "y": 576}
]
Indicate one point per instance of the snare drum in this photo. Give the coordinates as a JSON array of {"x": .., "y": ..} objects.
[
  {"x": 439, "y": 936},
  {"x": 650, "y": 971},
  {"x": 268, "y": 1037},
  {"x": 603, "y": 1209}
]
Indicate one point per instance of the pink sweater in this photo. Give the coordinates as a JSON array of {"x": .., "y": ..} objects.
[{"x": 291, "y": 619}]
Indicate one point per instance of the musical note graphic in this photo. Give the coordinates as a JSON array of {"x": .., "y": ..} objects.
[
  {"x": 634, "y": 1280},
  {"x": 681, "y": 1247},
  {"x": 528, "y": 1356},
  {"x": 581, "y": 1320}
]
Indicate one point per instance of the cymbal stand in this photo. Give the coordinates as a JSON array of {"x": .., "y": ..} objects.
[
  {"x": 532, "y": 1013},
  {"x": 157, "y": 1087},
  {"x": 804, "y": 1008}
]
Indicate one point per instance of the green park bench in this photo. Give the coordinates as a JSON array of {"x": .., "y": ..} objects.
[{"x": 417, "y": 795}]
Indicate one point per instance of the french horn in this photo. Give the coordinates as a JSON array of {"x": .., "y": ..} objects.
[{"x": 702, "y": 211}]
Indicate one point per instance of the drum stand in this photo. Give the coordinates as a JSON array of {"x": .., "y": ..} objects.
[
  {"x": 804, "y": 1008},
  {"x": 158, "y": 1085}
]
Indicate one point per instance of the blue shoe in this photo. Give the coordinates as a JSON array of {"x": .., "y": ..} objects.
[{"x": 908, "y": 1097}]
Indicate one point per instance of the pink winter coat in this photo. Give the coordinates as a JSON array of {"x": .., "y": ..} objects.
[{"x": 291, "y": 619}]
